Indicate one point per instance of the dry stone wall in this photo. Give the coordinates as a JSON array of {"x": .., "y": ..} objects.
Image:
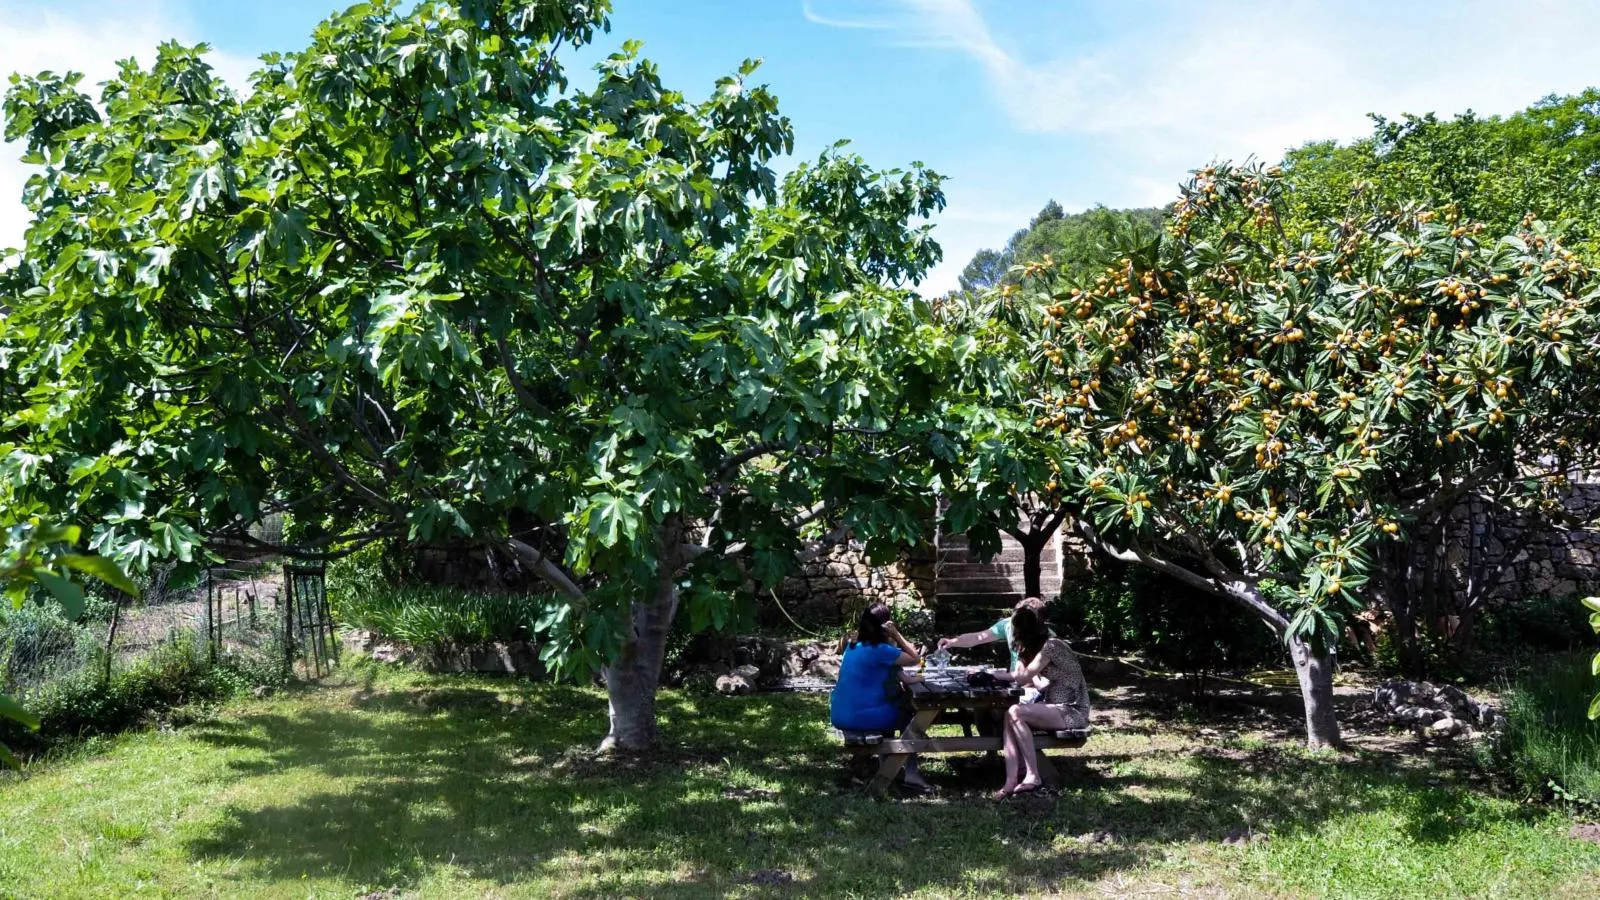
[
  {"x": 832, "y": 588},
  {"x": 1512, "y": 555}
]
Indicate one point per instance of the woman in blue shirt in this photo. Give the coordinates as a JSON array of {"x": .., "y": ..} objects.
[{"x": 867, "y": 696}]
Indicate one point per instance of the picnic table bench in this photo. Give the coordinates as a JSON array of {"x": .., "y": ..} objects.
[{"x": 942, "y": 691}]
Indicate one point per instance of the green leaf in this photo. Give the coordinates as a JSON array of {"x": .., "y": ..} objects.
[
  {"x": 613, "y": 518},
  {"x": 1594, "y": 707},
  {"x": 11, "y": 709},
  {"x": 103, "y": 569},
  {"x": 67, "y": 592}
]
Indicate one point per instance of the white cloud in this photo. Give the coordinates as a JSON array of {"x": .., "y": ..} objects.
[
  {"x": 1234, "y": 78},
  {"x": 35, "y": 37},
  {"x": 1176, "y": 84}
]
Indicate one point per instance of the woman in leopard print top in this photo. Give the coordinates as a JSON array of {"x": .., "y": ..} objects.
[{"x": 1049, "y": 665}]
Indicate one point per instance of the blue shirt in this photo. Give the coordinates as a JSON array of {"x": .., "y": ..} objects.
[{"x": 862, "y": 700}]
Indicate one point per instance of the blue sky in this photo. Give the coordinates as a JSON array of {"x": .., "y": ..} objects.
[{"x": 1016, "y": 101}]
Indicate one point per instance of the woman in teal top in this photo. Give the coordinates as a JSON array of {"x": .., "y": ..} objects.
[
  {"x": 867, "y": 696},
  {"x": 999, "y": 631}
]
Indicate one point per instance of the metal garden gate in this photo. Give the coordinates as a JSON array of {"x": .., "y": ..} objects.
[{"x": 308, "y": 633}]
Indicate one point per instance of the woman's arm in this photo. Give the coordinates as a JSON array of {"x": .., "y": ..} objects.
[
  {"x": 971, "y": 639},
  {"x": 895, "y": 638},
  {"x": 1025, "y": 674}
]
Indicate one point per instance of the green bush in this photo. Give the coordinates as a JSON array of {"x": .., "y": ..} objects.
[
  {"x": 1534, "y": 625},
  {"x": 1549, "y": 745},
  {"x": 431, "y": 615},
  {"x": 1125, "y": 608},
  {"x": 37, "y": 642},
  {"x": 81, "y": 703},
  {"x": 351, "y": 578}
]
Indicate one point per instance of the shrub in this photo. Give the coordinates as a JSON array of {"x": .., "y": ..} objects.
[
  {"x": 1537, "y": 624},
  {"x": 1131, "y": 608},
  {"x": 1549, "y": 745},
  {"x": 430, "y": 615},
  {"x": 82, "y": 703},
  {"x": 37, "y": 641},
  {"x": 350, "y": 578}
]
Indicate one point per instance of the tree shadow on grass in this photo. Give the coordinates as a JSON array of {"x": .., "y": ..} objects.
[{"x": 498, "y": 785}]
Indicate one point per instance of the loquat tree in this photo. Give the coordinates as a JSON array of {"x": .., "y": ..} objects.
[{"x": 1261, "y": 416}]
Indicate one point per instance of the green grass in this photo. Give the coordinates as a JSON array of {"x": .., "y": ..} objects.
[
  {"x": 431, "y": 614},
  {"x": 469, "y": 787},
  {"x": 1549, "y": 738}
]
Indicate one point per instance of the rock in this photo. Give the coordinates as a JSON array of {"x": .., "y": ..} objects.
[
  {"x": 749, "y": 673},
  {"x": 1455, "y": 698},
  {"x": 393, "y": 653},
  {"x": 1443, "y": 711},
  {"x": 735, "y": 684},
  {"x": 1587, "y": 831},
  {"x": 824, "y": 666}
]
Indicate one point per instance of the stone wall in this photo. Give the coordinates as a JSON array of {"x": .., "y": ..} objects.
[
  {"x": 834, "y": 587},
  {"x": 1513, "y": 555},
  {"x": 474, "y": 568}
]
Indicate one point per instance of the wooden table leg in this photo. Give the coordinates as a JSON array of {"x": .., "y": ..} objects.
[
  {"x": 892, "y": 763},
  {"x": 887, "y": 770}
]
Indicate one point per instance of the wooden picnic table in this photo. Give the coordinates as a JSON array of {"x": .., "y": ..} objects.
[{"x": 943, "y": 691}]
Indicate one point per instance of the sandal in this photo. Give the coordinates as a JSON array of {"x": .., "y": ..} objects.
[{"x": 1027, "y": 787}]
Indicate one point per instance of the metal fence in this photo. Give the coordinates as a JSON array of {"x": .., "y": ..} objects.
[{"x": 254, "y": 610}]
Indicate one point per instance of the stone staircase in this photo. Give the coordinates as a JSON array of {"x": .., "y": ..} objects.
[{"x": 967, "y": 586}]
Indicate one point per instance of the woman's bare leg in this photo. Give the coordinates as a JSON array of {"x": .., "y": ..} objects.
[
  {"x": 1010, "y": 751},
  {"x": 1025, "y": 718}
]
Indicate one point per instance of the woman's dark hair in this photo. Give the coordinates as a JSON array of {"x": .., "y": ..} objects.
[
  {"x": 869, "y": 628},
  {"x": 1028, "y": 633}
]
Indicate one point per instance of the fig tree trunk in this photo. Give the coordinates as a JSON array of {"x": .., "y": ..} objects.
[
  {"x": 633, "y": 678},
  {"x": 1315, "y": 672}
]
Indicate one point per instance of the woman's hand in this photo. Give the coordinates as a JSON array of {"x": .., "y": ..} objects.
[{"x": 893, "y": 634}]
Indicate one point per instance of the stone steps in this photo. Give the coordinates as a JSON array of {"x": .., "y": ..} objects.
[
  {"x": 1007, "y": 542},
  {"x": 1012, "y": 555},
  {"x": 1001, "y": 602},
  {"x": 981, "y": 570},
  {"x": 991, "y": 584},
  {"x": 969, "y": 584}
]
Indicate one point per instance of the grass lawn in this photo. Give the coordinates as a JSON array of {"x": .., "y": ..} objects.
[{"x": 389, "y": 784}]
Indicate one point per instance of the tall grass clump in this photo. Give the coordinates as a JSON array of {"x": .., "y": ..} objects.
[
  {"x": 1549, "y": 744},
  {"x": 433, "y": 615}
]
